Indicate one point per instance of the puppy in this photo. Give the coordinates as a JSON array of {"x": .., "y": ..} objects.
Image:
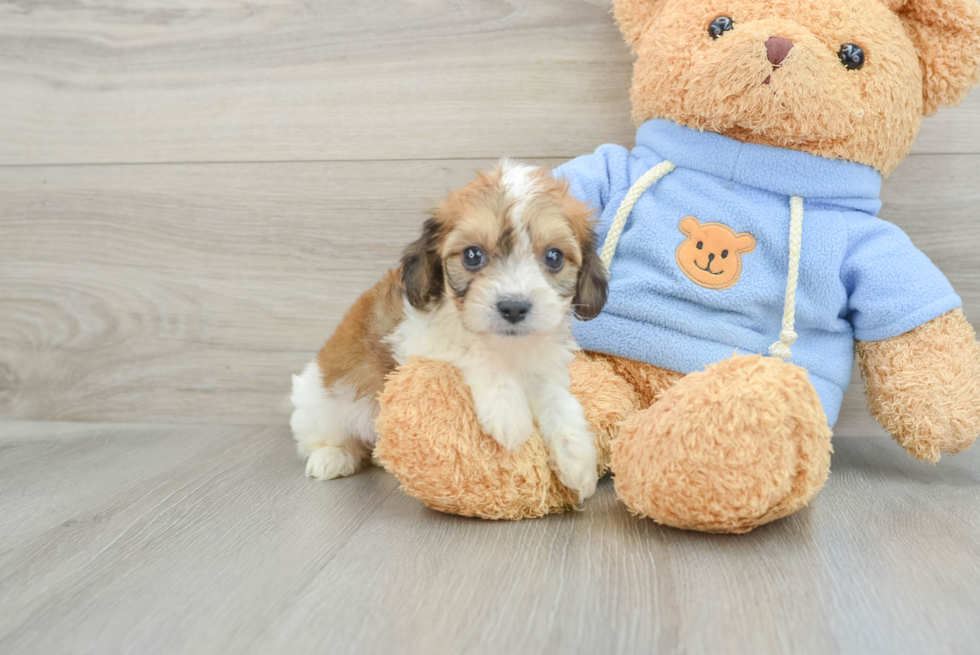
[{"x": 489, "y": 288}]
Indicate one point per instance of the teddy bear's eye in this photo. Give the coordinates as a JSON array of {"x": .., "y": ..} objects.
[
  {"x": 720, "y": 25},
  {"x": 700, "y": 245},
  {"x": 852, "y": 56},
  {"x": 724, "y": 254}
]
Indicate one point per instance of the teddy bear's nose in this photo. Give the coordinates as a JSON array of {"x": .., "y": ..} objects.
[{"x": 777, "y": 47}]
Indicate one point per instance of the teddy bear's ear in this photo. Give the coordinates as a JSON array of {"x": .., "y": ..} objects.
[
  {"x": 689, "y": 225},
  {"x": 745, "y": 243},
  {"x": 947, "y": 36},
  {"x": 634, "y": 16}
]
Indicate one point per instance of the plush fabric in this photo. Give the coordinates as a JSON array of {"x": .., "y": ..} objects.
[
  {"x": 859, "y": 276},
  {"x": 726, "y": 449},
  {"x": 919, "y": 57},
  {"x": 743, "y": 443},
  {"x": 923, "y": 386},
  {"x": 430, "y": 439},
  {"x": 947, "y": 36},
  {"x": 646, "y": 383}
]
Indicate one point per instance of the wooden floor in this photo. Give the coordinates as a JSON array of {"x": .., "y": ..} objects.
[
  {"x": 192, "y": 193},
  {"x": 193, "y": 539}
]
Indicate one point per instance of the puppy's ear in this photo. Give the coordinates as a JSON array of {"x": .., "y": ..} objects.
[
  {"x": 422, "y": 267},
  {"x": 946, "y": 34},
  {"x": 592, "y": 284}
]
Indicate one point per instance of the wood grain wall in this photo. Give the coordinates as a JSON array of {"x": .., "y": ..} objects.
[{"x": 191, "y": 194}]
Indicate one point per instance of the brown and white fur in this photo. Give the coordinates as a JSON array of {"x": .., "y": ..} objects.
[{"x": 505, "y": 323}]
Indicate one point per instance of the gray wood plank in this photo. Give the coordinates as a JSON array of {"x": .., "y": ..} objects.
[
  {"x": 190, "y": 293},
  {"x": 269, "y": 80},
  {"x": 189, "y": 282},
  {"x": 233, "y": 550},
  {"x": 69, "y": 467}
]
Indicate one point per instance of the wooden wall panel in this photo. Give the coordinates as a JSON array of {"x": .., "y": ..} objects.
[
  {"x": 278, "y": 80},
  {"x": 191, "y": 292}
]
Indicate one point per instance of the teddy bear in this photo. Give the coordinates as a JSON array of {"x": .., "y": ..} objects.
[{"x": 748, "y": 269}]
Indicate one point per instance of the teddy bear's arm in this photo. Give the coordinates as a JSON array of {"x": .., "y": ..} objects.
[{"x": 924, "y": 386}]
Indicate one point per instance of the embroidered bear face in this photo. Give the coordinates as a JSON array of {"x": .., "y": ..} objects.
[{"x": 712, "y": 253}]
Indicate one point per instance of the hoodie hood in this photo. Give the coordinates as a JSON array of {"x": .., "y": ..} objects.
[{"x": 777, "y": 170}]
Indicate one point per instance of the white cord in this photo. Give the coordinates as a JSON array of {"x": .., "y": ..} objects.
[
  {"x": 646, "y": 181},
  {"x": 787, "y": 337}
]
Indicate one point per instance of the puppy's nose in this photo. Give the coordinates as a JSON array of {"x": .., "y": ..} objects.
[
  {"x": 514, "y": 310},
  {"x": 711, "y": 258},
  {"x": 777, "y": 47}
]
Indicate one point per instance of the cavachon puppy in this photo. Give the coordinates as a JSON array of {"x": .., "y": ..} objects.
[{"x": 489, "y": 288}]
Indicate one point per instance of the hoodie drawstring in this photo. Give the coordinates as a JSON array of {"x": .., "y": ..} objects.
[
  {"x": 646, "y": 181},
  {"x": 787, "y": 336}
]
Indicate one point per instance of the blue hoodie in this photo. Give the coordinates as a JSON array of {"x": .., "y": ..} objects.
[{"x": 859, "y": 277}]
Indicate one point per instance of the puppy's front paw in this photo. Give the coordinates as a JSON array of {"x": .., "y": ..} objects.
[
  {"x": 509, "y": 423},
  {"x": 573, "y": 459},
  {"x": 329, "y": 462}
]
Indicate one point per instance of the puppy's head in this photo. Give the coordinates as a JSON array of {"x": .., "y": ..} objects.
[{"x": 515, "y": 252}]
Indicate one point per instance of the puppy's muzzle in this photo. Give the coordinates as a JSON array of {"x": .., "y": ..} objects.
[{"x": 514, "y": 310}]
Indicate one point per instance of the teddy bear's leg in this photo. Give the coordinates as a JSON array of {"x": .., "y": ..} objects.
[
  {"x": 430, "y": 439},
  {"x": 608, "y": 396},
  {"x": 647, "y": 382},
  {"x": 924, "y": 386},
  {"x": 727, "y": 449}
]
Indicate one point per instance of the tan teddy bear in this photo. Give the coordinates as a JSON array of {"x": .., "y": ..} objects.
[{"x": 743, "y": 221}]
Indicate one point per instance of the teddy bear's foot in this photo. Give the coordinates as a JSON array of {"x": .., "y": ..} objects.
[
  {"x": 740, "y": 444},
  {"x": 430, "y": 439}
]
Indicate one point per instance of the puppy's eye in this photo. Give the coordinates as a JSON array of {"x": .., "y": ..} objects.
[
  {"x": 719, "y": 26},
  {"x": 724, "y": 254},
  {"x": 700, "y": 245},
  {"x": 473, "y": 258},
  {"x": 852, "y": 56},
  {"x": 554, "y": 259}
]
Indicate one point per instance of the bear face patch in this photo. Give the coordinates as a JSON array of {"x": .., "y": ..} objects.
[{"x": 711, "y": 256}]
